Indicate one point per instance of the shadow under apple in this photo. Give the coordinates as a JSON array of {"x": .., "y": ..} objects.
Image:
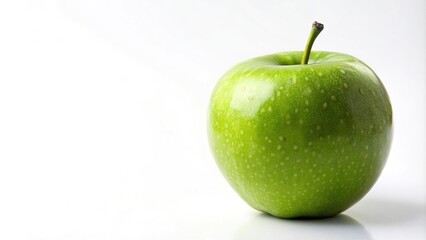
[
  {"x": 387, "y": 211},
  {"x": 264, "y": 226}
]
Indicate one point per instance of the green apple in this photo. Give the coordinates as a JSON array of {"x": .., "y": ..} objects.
[{"x": 301, "y": 134}]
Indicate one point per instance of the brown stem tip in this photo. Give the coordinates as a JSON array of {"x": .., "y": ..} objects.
[{"x": 318, "y": 26}]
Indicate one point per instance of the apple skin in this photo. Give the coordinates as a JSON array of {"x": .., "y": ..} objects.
[{"x": 300, "y": 140}]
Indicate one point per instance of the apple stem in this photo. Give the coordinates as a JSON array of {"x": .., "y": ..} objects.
[{"x": 316, "y": 29}]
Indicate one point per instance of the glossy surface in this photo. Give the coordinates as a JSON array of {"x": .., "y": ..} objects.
[{"x": 300, "y": 141}]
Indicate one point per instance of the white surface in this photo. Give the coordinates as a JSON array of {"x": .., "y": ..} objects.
[{"x": 103, "y": 115}]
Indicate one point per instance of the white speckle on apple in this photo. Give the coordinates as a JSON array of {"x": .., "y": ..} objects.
[
  {"x": 279, "y": 147},
  {"x": 320, "y": 74},
  {"x": 306, "y": 78},
  {"x": 301, "y": 121},
  {"x": 278, "y": 93},
  {"x": 306, "y": 102},
  {"x": 324, "y": 105},
  {"x": 310, "y": 143},
  {"x": 307, "y": 91},
  {"x": 281, "y": 138},
  {"x": 345, "y": 85},
  {"x": 270, "y": 109},
  {"x": 333, "y": 98},
  {"x": 342, "y": 71},
  {"x": 294, "y": 80},
  {"x": 318, "y": 127},
  {"x": 296, "y": 110},
  {"x": 295, "y": 147},
  {"x": 288, "y": 122}
]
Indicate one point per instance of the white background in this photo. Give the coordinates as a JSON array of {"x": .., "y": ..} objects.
[{"x": 103, "y": 115}]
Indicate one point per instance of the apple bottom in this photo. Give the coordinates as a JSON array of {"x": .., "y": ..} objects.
[{"x": 316, "y": 183}]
